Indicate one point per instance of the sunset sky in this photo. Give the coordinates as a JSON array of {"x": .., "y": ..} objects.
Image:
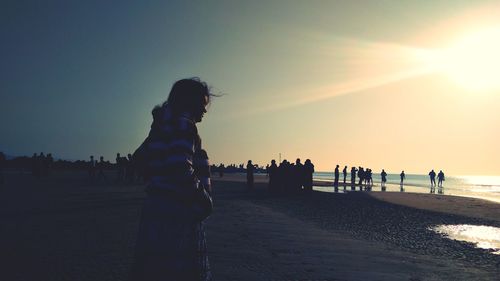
[{"x": 399, "y": 85}]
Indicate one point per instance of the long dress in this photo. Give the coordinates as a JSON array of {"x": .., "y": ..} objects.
[{"x": 171, "y": 243}]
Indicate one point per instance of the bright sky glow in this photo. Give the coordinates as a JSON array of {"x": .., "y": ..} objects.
[
  {"x": 473, "y": 61},
  {"x": 387, "y": 63}
]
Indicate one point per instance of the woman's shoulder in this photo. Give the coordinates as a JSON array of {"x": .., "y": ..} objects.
[{"x": 177, "y": 121}]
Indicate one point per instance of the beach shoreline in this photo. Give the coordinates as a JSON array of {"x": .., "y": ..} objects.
[{"x": 472, "y": 204}]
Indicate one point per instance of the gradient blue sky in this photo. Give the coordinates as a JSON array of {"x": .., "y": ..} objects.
[{"x": 333, "y": 81}]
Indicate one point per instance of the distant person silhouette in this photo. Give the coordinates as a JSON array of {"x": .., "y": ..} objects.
[
  {"x": 3, "y": 161},
  {"x": 273, "y": 176},
  {"x": 298, "y": 175},
  {"x": 440, "y": 178},
  {"x": 432, "y": 176},
  {"x": 401, "y": 184},
  {"x": 280, "y": 177},
  {"x": 353, "y": 178},
  {"x": 361, "y": 176},
  {"x": 91, "y": 167},
  {"x": 119, "y": 168},
  {"x": 383, "y": 175},
  {"x": 130, "y": 169},
  {"x": 49, "y": 163},
  {"x": 336, "y": 178},
  {"x": 368, "y": 179},
  {"x": 286, "y": 176},
  {"x": 308, "y": 175},
  {"x": 344, "y": 172},
  {"x": 221, "y": 170},
  {"x": 100, "y": 170},
  {"x": 250, "y": 171}
]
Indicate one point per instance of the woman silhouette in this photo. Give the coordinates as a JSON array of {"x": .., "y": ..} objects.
[{"x": 171, "y": 241}]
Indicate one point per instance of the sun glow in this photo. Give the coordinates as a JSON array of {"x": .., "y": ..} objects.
[{"x": 473, "y": 61}]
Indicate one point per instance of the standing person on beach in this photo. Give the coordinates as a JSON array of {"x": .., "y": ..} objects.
[
  {"x": 353, "y": 177},
  {"x": 344, "y": 172},
  {"x": 119, "y": 168},
  {"x": 284, "y": 177},
  {"x": 336, "y": 179},
  {"x": 100, "y": 170},
  {"x": 383, "y": 175},
  {"x": 171, "y": 242},
  {"x": 49, "y": 162},
  {"x": 91, "y": 167},
  {"x": 273, "y": 170},
  {"x": 250, "y": 168},
  {"x": 280, "y": 177},
  {"x": 440, "y": 178},
  {"x": 308, "y": 175},
  {"x": 432, "y": 176},
  {"x": 368, "y": 179},
  {"x": 298, "y": 175},
  {"x": 402, "y": 176},
  {"x": 361, "y": 176},
  {"x": 221, "y": 170}
]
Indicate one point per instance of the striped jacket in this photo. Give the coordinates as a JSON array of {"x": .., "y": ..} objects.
[{"x": 171, "y": 149}]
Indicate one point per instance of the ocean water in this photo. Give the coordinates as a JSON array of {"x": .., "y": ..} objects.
[{"x": 484, "y": 187}]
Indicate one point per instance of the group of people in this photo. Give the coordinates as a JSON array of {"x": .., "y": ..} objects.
[
  {"x": 364, "y": 175},
  {"x": 287, "y": 177},
  {"x": 97, "y": 166},
  {"x": 41, "y": 165},
  {"x": 125, "y": 169},
  {"x": 292, "y": 177},
  {"x": 440, "y": 176}
]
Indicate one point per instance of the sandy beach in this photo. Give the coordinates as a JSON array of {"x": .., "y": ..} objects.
[{"x": 66, "y": 228}]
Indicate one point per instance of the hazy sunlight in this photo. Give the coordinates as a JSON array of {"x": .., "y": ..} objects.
[{"x": 473, "y": 61}]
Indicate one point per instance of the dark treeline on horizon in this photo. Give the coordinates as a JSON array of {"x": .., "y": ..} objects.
[{"x": 25, "y": 163}]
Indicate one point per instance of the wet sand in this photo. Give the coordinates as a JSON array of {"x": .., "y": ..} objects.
[
  {"x": 464, "y": 206},
  {"x": 319, "y": 238},
  {"x": 66, "y": 228}
]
